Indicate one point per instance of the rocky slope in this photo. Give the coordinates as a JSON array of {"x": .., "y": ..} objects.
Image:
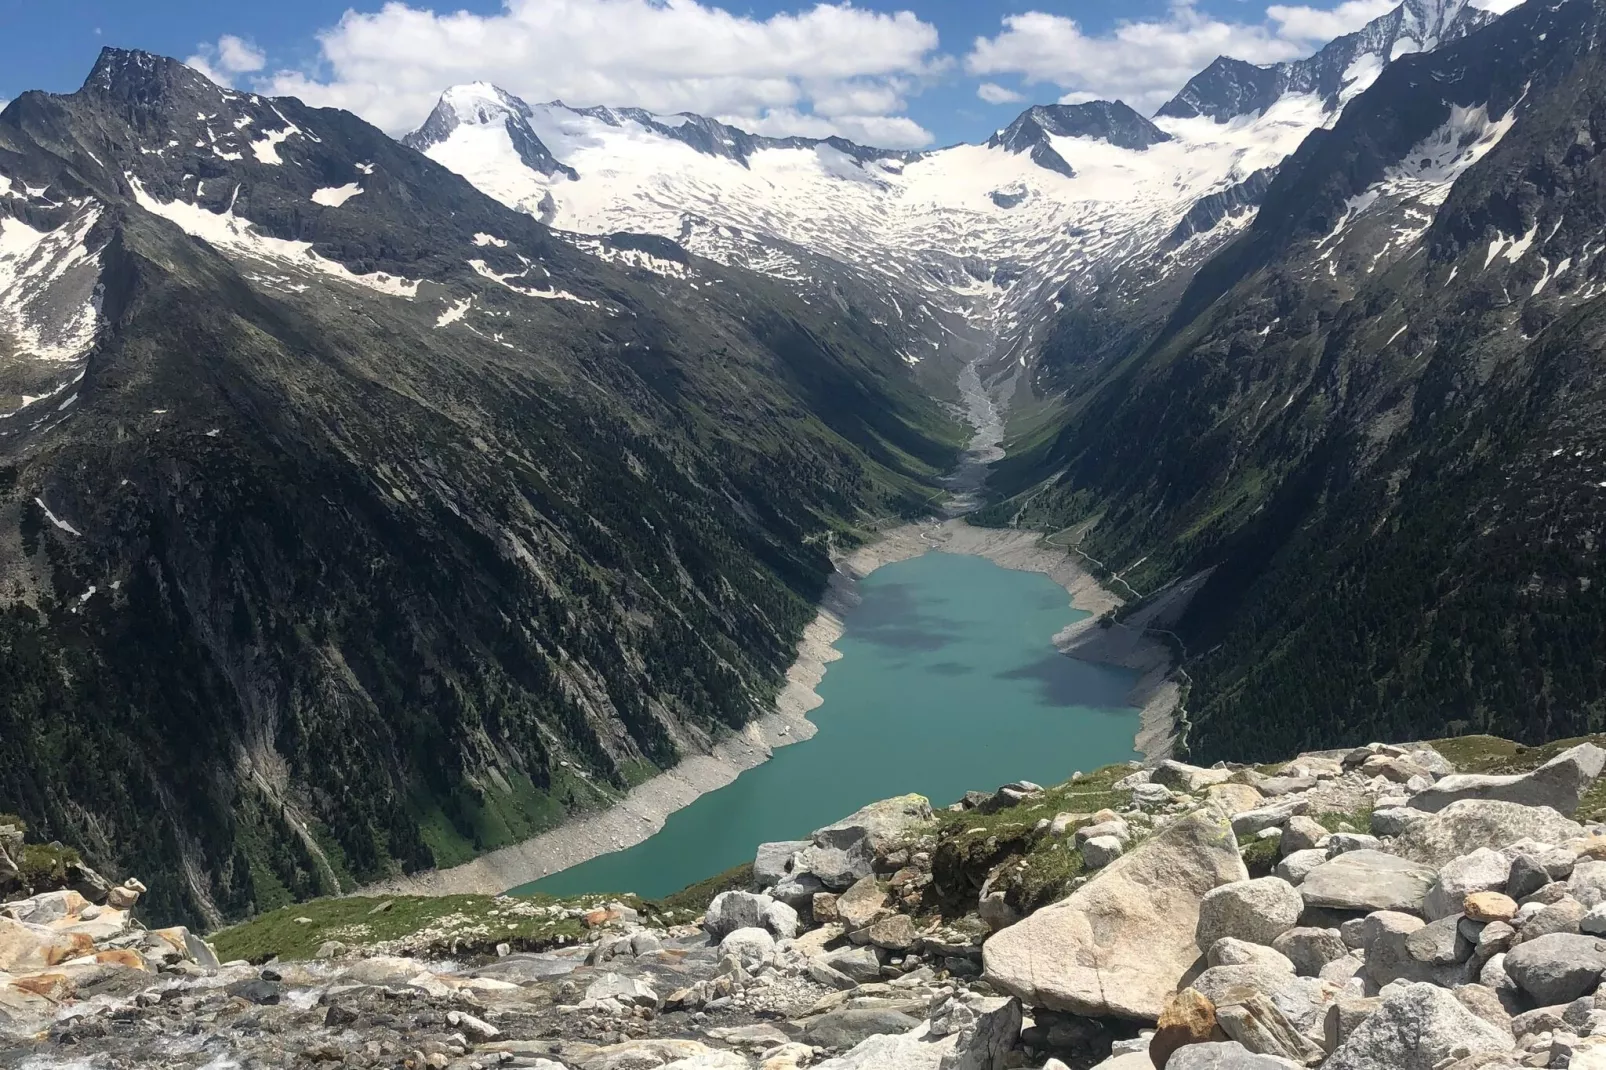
[
  {"x": 351, "y": 523},
  {"x": 1370, "y": 420},
  {"x": 1424, "y": 906}
]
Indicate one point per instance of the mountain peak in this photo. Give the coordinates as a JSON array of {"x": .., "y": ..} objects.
[
  {"x": 143, "y": 77},
  {"x": 1105, "y": 120},
  {"x": 1342, "y": 68},
  {"x": 483, "y": 105}
]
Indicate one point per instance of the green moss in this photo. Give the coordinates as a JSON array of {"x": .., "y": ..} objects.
[
  {"x": 694, "y": 899},
  {"x": 13, "y": 819},
  {"x": 1260, "y": 856},
  {"x": 458, "y": 923},
  {"x": 1341, "y": 821},
  {"x": 44, "y": 865}
]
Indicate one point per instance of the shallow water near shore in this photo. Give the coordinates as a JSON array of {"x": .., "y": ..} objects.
[{"x": 948, "y": 681}]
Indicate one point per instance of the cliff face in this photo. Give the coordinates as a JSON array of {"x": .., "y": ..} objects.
[
  {"x": 351, "y": 524},
  {"x": 1420, "y": 905}
]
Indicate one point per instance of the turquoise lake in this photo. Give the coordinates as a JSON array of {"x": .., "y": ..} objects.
[{"x": 948, "y": 681}]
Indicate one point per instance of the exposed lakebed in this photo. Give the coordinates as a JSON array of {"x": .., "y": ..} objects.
[{"x": 948, "y": 681}]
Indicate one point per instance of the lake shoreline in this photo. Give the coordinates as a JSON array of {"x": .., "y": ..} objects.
[{"x": 643, "y": 811}]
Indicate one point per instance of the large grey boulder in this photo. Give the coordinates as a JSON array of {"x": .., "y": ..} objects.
[
  {"x": 882, "y": 825},
  {"x": 1258, "y": 911},
  {"x": 842, "y": 853},
  {"x": 1309, "y": 948},
  {"x": 892, "y": 1051},
  {"x": 1368, "y": 880},
  {"x": 861, "y": 964},
  {"x": 1302, "y": 1000},
  {"x": 1120, "y": 943},
  {"x": 1230, "y": 951},
  {"x": 773, "y": 862},
  {"x": 729, "y": 911},
  {"x": 1559, "y": 784},
  {"x": 1418, "y": 1027},
  {"x": 1295, "y": 867},
  {"x": 842, "y": 1029},
  {"x": 1252, "y": 822},
  {"x": 1190, "y": 778},
  {"x": 1463, "y": 827},
  {"x": 987, "y": 1029},
  {"x": 1483, "y": 870},
  {"x": 1225, "y": 1055},
  {"x": 750, "y": 946},
  {"x": 1557, "y": 968}
]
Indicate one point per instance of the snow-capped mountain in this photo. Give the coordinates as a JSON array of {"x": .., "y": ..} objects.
[{"x": 997, "y": 236}]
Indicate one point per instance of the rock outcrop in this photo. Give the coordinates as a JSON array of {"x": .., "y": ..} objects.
[
  {"x": 1119, "y": 944},
  {"x": 1129, "y": 919}
]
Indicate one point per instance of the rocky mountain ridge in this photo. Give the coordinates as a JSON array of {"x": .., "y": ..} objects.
[
  {"x": 975, "y": 249},
  {"x": 352, "y": 523},
  {"x": 1371, "y": 909}
]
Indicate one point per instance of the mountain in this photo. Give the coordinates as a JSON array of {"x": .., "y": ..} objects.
[
  {"x": 1369, "y": 428},
  {"x": 351, "y": 523},
  {"x": 1083, "y": 206}
]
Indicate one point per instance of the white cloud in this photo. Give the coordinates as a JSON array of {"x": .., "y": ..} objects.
[
  {"x": 230, "y": 57},
  {"x": 1145, "y": 62},
  {"x": 831, "y": 68},
  {"x": 1319, "y": 25},
  {"x": 993, "y": 93}
]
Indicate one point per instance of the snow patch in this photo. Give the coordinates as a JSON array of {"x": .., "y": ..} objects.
[
  {"x": 455, "y": 313},
  {"x": 56, "y": 520},
  {"x": 236, "y": 236},
  {"x": 335, "y": 196}
]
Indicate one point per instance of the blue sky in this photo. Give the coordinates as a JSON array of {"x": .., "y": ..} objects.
[{"x": 910, "y": 73}]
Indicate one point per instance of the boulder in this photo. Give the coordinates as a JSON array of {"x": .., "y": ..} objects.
[
  {"x": 1302, "y": 834},
  {"x": 1368, "y": 880},
  {"x": 896, "y": 932},
  {"x": 750, "y": 946},
  {"x": 773, "y": 862},
  {"x": 860, "y": 964},
  {"x": 1302, "y": 1000},
  {"x": 987, "y": 1030},
  {"x": 1294, "y": 868},
  {"x": 779, "y": 918},
  {"x": 1587, "y": 884},
  {"x": 1188, "y": 778},
  {"x": 1344, "y": 1014},
  {"x": 842, "y": 1029},
  {"x": 1468, "y": 824},
  {"x": 881, "y": 826},
  {"x": 861, "y": 904},
  {"x": 1255, "y": 1022},
  {"x": 1255, "y": 910},
  {"x": 632, "y": 991},
  {"x": 1118, "y": 945},
  {"x": 1225, "y": 1055},
  {"x": 1481, "y": 871},
  {"x": 1563, "y": 916},
  {"x": 1417, "y": 1027},
  {"x": 1233, "y": 798},
  {"x": 1100, "y": 851},
  {"x": 1485, "y": 1004},
  {"x": 1187, "y": 1018},
  {"x": 1558, "y": 784},
  {"x": 1340, "y": 843},
  {"x": 1440, "y": 943},
  {"x": 1230, "y": 951},
  {"x": 1489, "y": 906},
  {"x": 892, "y": 1051},
  {"x": 1309, "y": 949},
  {"x": 832, "y": 867},
  {"x": 1251, "y": 822},
  {"x": 1285, "y": 785},
  {"x": 1391, "y": 820},
  {"x": 1558, "y": 967},
  {"x": 729, "y": 911}
]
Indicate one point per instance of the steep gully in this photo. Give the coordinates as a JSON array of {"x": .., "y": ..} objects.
[{"x": 642, "y": 812}]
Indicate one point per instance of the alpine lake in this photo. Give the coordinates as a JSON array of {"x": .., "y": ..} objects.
[{"x": 948, "y": 681}]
